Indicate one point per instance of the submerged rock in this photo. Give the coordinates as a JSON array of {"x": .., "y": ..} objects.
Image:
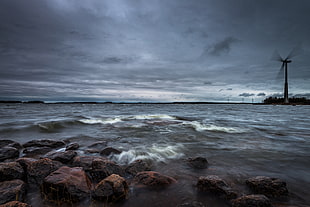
[
  {"x": 73, "y": 146},
  {"x": 66, "y": 185},
  {"x": 252, "y": 201},
  {"x": 104, "y": 168},
  {"x": 215, "y": 185},
  {"x": 44, "y": 143},
  {"x": 11, "y": 171},
  {"x": 112, "y": 188},
  {"x": 13, "y": 190},
  {"x": 15, "y": 204},
  {"x": 138, "y": 166},
  {"x": 10, "y": 143},
  {"x": 41, "y": 168},
  {"x": 8, "y": 153},
  {"x": 198, "y": 162},
  {"x": 64, "y": 157},
  {"x": 270, "y": 187},
  {"x": 151, "y": 178},
  {"x": 110, "y": 150}
]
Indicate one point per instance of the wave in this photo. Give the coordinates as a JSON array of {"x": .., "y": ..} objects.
[
  {"x": 157, "y": 153},
  {"x": 100, "y": 121},
  {"x": 210, "y": 127}
]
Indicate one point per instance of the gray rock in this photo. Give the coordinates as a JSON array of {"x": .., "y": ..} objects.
[
  {"x": 44, "y": 143},
  {"x": 10, "y": 143},
  {"x": 110, "y": 150},
  {"x": 8, "y": 153},
  {"x": 138, "y": 166},
  {"x": 73, "y": 146},
  {"x": 270, "y": 187},
  {"x": 198, "y": 162},
  {"x": 64, "y": 157}
]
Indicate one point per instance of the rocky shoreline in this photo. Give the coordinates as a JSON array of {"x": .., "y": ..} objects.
[{"x": 65, "y": 177}]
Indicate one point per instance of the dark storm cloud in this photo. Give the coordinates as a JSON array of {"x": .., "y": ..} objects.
[
  {"x": 158, "y": 50},
  {"x": 261, "y": 94},
  {"x": 247, "y": 94}
]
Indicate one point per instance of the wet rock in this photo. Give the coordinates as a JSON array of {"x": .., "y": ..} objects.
[
  {"x": 112, "y": 188},
  {"x": 251, "y": 201},
  {"x": 215, "y": 185},
  {"x": 10, "y": 143},
  {"x": 110, "y": 150},
  {"x": 192, "y": 204},
  {"x": 270, "y": 187},
  {"x": 138, "y": 166},
  {"x": 98, "y": 145},
  {"x": 151, "y": 178},
  {"x": 197, "y": 162},
  {"x": 25, "y": 162},
  {"x": 36, "y": 151},
  {"x": 64, "y": 157},
  {"x": 73, "y": 146},
  {"x": 85, "y": 161},
  {"x": 66, "y": 185},
  {"x": 8, "y": 153},
  {"x": 15, "y": 204},
  {"x": 11, "y": 171},
  {"x": 104, "y": 168},
  {"x": 13, "y": 190},
  {"x": 41, "y": 168},
  {"x": 44, "y": 143}
]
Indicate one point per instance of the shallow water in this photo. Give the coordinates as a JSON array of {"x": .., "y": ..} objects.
[{"x": 239, "y": 141}]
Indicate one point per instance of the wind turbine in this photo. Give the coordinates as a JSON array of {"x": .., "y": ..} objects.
[{"x": 276, "y": 56}]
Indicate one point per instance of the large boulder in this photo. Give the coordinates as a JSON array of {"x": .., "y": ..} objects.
[
  {"x": 215, "y": 185},
  {"x": 41, "y": 168},
  {"x": 198, "y": 162},
  {"x": 155, "y": 179},
  {"x": 104, "y": 168},
  {"x": 36, "y": 151},
  {"x": 138, "y": 166},
  {"x": 15, "y": 204},
  {"x": 64, "y": 157},
  {"x": 13, "y": 190},
  {"x": 8, "y": 153},
  {"x": 270, "y": 187},
  {"x": 11, "y": 171},
  {"x": 252, "y": 201},
  {"x": 85, "y": 161},
  {"x": 10, "y": 143},
  {"x": 112, "y": 188},
  {"x": 44, "y": 143},
  {"x": 66, "y": 185}
]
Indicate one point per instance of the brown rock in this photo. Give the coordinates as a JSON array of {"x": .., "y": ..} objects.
[
  {"x": 151, "y": 178},
  {"x": 104, "y": 168},
  {"x": 270, "y": 187},
  {"x": 36, "y": 151},
  {"x": 73, "y": 146},
  {"x": 15, "y": 204},
  {"x": 138, "y": 166},
  {"x": 11, "y": 171},
  {"x": 41, "y": 168},
  {"x": 13, "y": 190},
  {"x": 215, "y": 185},
  {"x": 8, "y": 153},
  {"x": 112, "y": 188},
  {"x": 85, "y": 161},
  {"x": 64, "y": 157},
  {"x": 198, "y": 162},
  {"x": 98, "y": 145},
  {"x": 252, "y": 201},
  {"x": 44, "y": 143},
  {"x": 66, "y": 185},
  {"x": 110, "y": 150}
]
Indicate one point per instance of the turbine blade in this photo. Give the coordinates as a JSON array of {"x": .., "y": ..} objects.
[
  {"x": 276, "y": 56},
  {"x": 297, "y": 50},
  {"x": 281, "y": 73}
]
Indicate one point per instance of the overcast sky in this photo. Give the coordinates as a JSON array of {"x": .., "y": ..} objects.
[{"x": 151, "y": 50}]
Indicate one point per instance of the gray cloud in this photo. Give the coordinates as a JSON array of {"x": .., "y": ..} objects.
[
  {"x": 222, "y": 47},
  {"x": 261, "y": 94},
  {"x": 247, "y": 94}
]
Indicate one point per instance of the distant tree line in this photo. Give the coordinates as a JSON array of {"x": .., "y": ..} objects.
[{"x": 293, "y": 100}]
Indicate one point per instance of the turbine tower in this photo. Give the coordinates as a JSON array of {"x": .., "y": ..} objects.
[{"x": 276, "y": 56}]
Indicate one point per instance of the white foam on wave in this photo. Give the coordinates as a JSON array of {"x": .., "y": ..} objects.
[
  {"x": 210, "y": 127},
  {"x": 152, "y": 116},
  {"x": 157, "y": 153},
  {"x": 101, "y": 121}
]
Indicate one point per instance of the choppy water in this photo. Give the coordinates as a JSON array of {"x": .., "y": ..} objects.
[{"x": 239, "y": 141}]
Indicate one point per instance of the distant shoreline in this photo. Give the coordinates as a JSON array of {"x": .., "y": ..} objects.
[{"x": 108, "y": 102}]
